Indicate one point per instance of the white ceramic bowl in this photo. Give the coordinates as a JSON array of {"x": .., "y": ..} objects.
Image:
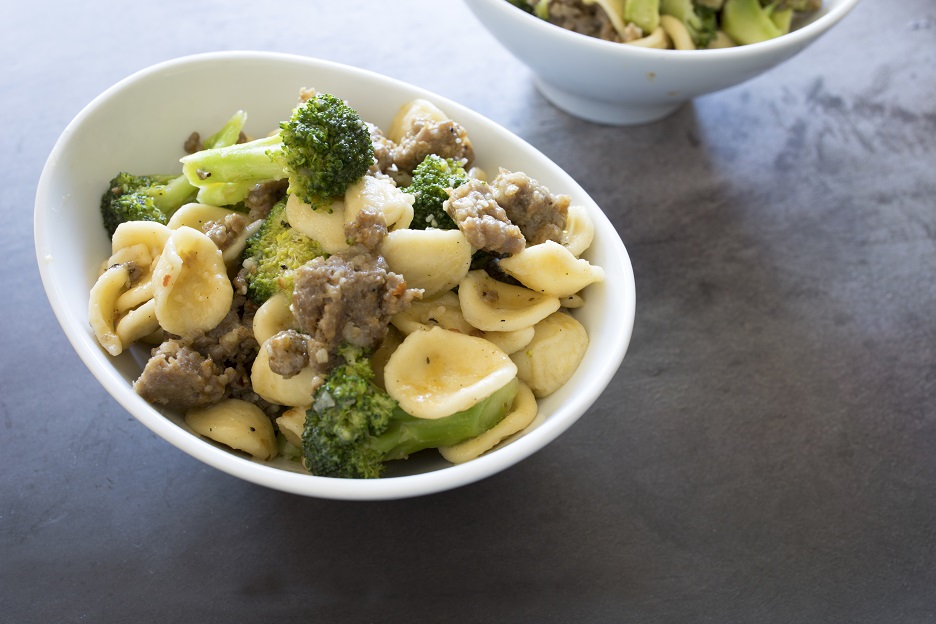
[
  {"x": 618, "y": 84},
  {"x": 112, "y": 134}
]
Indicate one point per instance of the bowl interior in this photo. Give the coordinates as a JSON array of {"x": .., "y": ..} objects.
[{"x": 139, "y": 125}]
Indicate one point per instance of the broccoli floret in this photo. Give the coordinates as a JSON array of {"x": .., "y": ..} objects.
[
  {"x": 321, "y": 149},
  {"x": 753, "y": 21},
  {"x": 700, "y": 21},
  {"x": 273, "y": 253},
  {"x": 643, "y": 13},
  {"x": 132, "y": 197},
  {"x": 431, "y": 179},
  {"x": 353, "y": 427}
]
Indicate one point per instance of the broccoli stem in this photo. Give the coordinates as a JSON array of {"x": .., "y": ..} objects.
[
  {"x": 173, "y": 195},
  {"x": 237, "y": 163},
  {"x": 408, "y": 434},
  {"x": 747, "y": 22}
]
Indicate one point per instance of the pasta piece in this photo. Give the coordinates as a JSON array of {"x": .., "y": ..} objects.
[
  {"x": 237, "y": 424},
  {"x": 434, "y": 260},
  {"x": 579, "y": 231},
  {"x": 273, "y": 317},
  {"x": 554, "y": 354},
  {"x": 136, "y": 295},
  {"x": 379, "y": 195},
  {"x": 190, "y": 284},
  {"x": 296, "y": 391},
  {"x": 291, "y": 424},
  {"x": 327, "y": 228},
  {"x": 410, "y": 112},
  {"x": 491, "y": 305},
  {"x": 195, "y": 215},
  {"x": 551, "y": 269},
  {"x": 657, "y": 39},
  {"x": 149, "y": 233},
  {"x": 436, "y": 373},
  {"x": 444, "y": 311},
  {"x": 521, "y": 414},
  {"x": 677, "y": 32},
  {"x": 102, "y": 306},
  {"x": 572, "y": 301},
  {"x": 232, "y": 253},
  {"x": 138, "y": 323}
]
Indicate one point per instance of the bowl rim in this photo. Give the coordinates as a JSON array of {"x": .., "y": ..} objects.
[
  {"x": 796, "y": 38},
  {"x": 385, "y": 488}
]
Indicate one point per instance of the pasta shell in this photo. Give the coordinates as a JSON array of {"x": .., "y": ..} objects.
[
  {"x": 554, "y": 354},
  {"x": 579, "y": 231},
  {"x": 190, "y": 284},
  {"x": 195, "y": 215},
  {"x": 410, "y": 112},
  {"x": 237, "y": 424},
  {"x": 138, "y": 323},
  {"x": 434, "y": 260},
  {"x": 521, "y": 414},
  {"x": 550, "y": 268},
  {"x": 296, "y": 391},
  {"x": 149, "y": 233},
  {"x": 444, "y": 311},
  {"x": 491, "y": 305},
  {"x": 327, "y": 228},
  {"x": 273, "y": 317},
  {"x": 292, "y": 424},
  {"x": 379, "y": 195},
  {"x": 436, "y": 373},
  {"x": 232, "y": 253},
  {"x": 102, "y": 305}
]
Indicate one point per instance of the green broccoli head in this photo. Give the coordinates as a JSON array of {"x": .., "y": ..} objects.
[
  {"x": 353, "y": 427},
  {"x": 273, "y": 253},
  {"x": 326, "y": 147},
  {"x": 431, "y": 180},
  {"x": 348, "y": 415},
  {"x": 132, "y": 197}
]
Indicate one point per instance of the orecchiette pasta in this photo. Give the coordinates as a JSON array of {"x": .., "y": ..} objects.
[
  {"x": 551, "y": 269},
  {"x": 558, "y": 346},
  {"x": 379, "y": 195},
  {"x": 579, "y": 231},
  {"x": 491, "y": 305},
  {"x": 296, "y": 391},
  {"x": 434, "y": 260},
  {"x": 237, "y": 424},
  {"x": 190, "y": 284},
  {"x": 410, "y": 112},
  {"x": 273, "y": 317},
  {"x": 102, "y": 306},
  {"x": 324, "y": 226},
  {"x": 435, "y": 373}
]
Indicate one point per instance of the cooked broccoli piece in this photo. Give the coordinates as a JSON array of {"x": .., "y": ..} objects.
[
  {"x": 156, "y": 197},
  {"x": 700, "y": 21},
  {"x": 321, "y": 149},
  {"x": 353, "y": 427},
  {"x": 752, "y": 21},
  {"x": 132, "y": 197},
  {"x": 273, "y": 253},
  {"x": 431, "y": 179},
  {"x": 643, "y": 13},
  {"x": 522, "y": 4}
]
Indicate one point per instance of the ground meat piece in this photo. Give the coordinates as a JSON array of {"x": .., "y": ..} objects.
[
  {"x": 447, "y": 139},
  {"x": 263, "y": 197},
  {"x": 588, "y": 19},
  {"x": 348, "y": 297},
  {"x": 289, "y": 352},
  {"x": 483, "y": 222},
  {"x": 193, "y": 143},
  {"x": 383, "y": 149},
  {"x": 368, "y": 229},
  {"x": 540, "y": 215},
  {"x": 223, "y": 233},
  {"x": 179, "y": 377}
]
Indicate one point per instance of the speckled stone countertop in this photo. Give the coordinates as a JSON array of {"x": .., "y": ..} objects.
[{"x": 766, "y": 453}]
